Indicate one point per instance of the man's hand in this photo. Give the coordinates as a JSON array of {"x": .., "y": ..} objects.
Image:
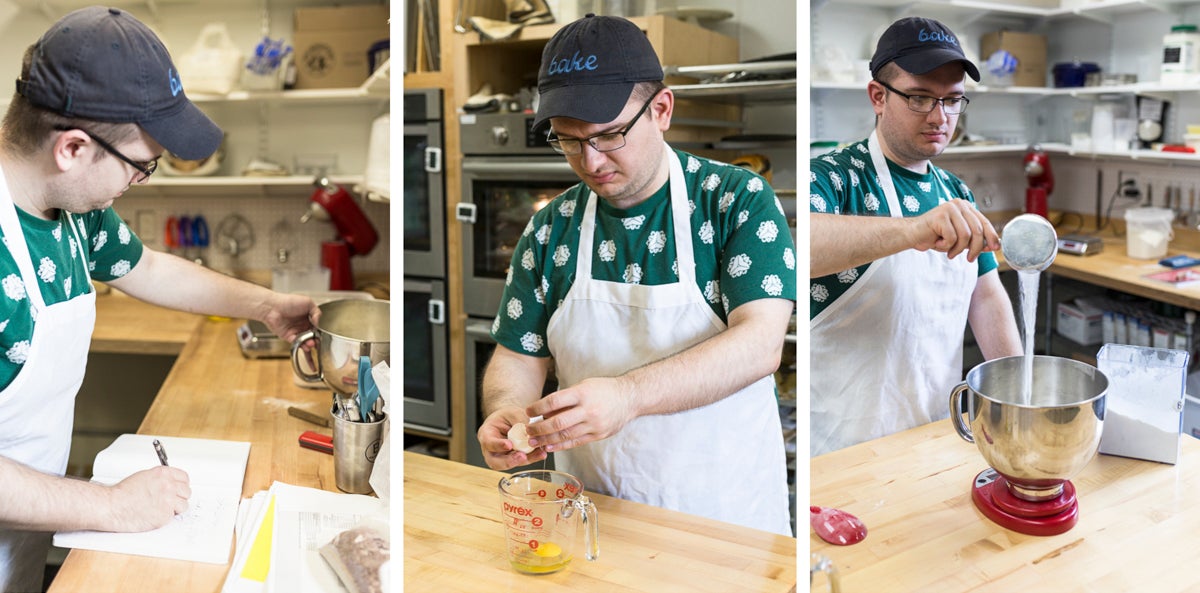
[
  {"x": 954, "y": 227},
  {"x": 498, "y": 451},
  {"x": 592, "y": 410},
  {"x": 291, "y": 315},
  {"x": 148, "y": 499}
]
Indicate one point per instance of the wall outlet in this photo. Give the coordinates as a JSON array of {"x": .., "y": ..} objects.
[{"x": 1129, "y": 184}]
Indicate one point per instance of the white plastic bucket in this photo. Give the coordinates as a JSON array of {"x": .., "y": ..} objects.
[{"x": 1148, "y": 231}]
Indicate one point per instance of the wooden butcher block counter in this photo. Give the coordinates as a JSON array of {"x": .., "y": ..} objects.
[
  {"x": 1113, "y": 268},
  {"x": 211, "y": 392},
  {"x": 1137, "y": 527},
  {"x": 454, "y": 541}
]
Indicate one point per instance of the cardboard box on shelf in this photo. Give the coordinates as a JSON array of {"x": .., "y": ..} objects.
[
  {"x": 1029, "y": 49},
  {"x": 331, "y": 44},
  {"x": 1080, "y": 322}
]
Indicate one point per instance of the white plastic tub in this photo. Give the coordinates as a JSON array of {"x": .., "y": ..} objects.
[{"x": 1148, "y": 231}]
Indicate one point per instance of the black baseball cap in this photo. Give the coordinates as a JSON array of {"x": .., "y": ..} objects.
[
  {"x": 589, "y": 68},
  {"x": 102, "y": 64},
  {"x": 920, "y": 45}
]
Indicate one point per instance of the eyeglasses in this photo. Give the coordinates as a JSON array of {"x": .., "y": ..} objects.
[
  {"x": 606, "y": 142},
  {"x": 145, "y": 169},
  {"x": 924, "y": 104}
]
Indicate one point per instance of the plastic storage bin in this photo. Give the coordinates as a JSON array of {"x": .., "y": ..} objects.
[
  {"x": 1144, "y": 406},
  {"x": 1147, "y": 232}
]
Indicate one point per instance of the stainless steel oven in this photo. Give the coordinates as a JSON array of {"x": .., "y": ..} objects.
[
  {"x": 424, "y": 185},
  {"x": 480, "y": 346},
  {"x": 426, "y": 393},
  {"x": 508, "y": 173}
]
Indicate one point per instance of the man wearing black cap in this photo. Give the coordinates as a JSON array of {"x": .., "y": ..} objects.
[
  {"x": 660, "y": 289},
  {"x": 97, "y": 102},
  {"x": 900, "y": 258}
]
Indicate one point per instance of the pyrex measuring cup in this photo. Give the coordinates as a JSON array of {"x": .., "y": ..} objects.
[{"x": 542, "y": 510}]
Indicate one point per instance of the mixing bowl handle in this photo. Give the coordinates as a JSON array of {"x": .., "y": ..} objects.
[
  {"x": 296, "y": 350},
  {"x": 956, "y": 415}
]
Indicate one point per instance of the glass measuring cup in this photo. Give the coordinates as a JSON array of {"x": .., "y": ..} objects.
[{"x": 542, "y": 510}]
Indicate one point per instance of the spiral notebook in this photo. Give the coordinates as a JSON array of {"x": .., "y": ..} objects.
[{"x": 205, "y": 532}]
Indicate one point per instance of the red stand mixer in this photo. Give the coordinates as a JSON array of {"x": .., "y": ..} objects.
[
  {"x": 1040, "y": 179},
  {"x": 356, "y": 235}
]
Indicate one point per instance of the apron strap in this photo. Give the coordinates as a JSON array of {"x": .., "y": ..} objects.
[
  {"x": 884, "y": 174},
  {"x": 14, "y": 239},
  {"x": 681, "y": 220}
]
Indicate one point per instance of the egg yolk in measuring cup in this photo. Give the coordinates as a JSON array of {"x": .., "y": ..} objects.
[{"x": 546, "y": 557}]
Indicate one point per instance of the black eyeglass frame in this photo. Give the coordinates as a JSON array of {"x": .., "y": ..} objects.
[
  {"x": 934, "y": 101},
  {"x": 556, "y": 143},
  {"x": 145, "y": 169}
]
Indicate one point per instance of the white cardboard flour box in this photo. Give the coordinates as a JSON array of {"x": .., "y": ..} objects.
[
  {"x": 331, "y": 44},
  {"x": 1080, "y": 322}
]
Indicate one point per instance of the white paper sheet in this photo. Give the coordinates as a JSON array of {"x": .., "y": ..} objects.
[
  {"x": 305, "y": 520},
  {"x": 202, "y": 534}
]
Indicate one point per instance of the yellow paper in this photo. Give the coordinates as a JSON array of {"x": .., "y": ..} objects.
[{"x": 258, "y": 562}]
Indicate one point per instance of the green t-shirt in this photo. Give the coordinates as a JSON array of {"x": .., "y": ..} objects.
[
  {"x": 113, "y": 250},
  {"x": 844, "y": 182},
  {"x": 740, "y": 239}
]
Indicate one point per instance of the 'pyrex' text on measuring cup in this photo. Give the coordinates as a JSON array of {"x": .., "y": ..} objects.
[{"x": 542, "y": 511}]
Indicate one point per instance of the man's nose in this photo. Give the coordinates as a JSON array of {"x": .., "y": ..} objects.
[{"x": 589, "y": 155}]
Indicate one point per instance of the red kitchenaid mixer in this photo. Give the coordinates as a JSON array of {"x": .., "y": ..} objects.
[
  {"x": 1040, "y": 179},
  {"x": 356, "y": 235}
]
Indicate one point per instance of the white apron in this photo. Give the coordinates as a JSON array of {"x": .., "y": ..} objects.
[
  {"x": 724, "y": 460},
  {"x": 37, "y": 409},
  {"x": 886, "y": 354}
]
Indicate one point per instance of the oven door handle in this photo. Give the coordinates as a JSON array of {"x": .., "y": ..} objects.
[
  {"x": 433, "y": 159},
  {"x": 437, "y": 311},
  {"x": 465, "y": 211},
  {"x": 519, "y": 168},
  {"x": 480, "y": 329}
]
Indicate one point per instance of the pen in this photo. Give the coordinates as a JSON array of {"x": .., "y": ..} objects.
[{"x": 162, "y": 453}]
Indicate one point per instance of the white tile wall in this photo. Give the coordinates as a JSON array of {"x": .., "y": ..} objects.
[{"x": 263, "y": 213}]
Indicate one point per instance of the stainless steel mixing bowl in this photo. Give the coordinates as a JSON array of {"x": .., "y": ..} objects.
[
  {"x": 1040, "y": 444},
  {"x": 346, "y": 330}
]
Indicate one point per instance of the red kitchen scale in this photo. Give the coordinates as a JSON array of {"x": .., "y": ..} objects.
[{"x": 993, "y": 496}]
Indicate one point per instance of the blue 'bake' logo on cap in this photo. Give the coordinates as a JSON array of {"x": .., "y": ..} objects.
[
  {"x": 574, "y": 63},
  {"x": 176, "y": 84},
  {"x": 936, "y": 37}
]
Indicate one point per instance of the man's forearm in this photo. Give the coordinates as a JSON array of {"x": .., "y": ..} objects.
[
  {"x": 840, "y": 241},
  {"x": 748, "y": 350},
  {"x": 34, "y": 501},
  {"x": 512, "y": 380},
  {"x": 192, "y": 288}
]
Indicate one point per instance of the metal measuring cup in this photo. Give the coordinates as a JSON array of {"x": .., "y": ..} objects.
[{"x": 1029, "y": 243}]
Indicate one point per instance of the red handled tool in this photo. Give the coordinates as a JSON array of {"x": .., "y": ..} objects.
[{"x": 317, "y": 442}]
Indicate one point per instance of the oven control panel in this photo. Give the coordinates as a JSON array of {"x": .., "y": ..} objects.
[{"x": 502, "y": 134}]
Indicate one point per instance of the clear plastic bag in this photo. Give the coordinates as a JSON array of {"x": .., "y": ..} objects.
[{"x": 213, "y": 64}]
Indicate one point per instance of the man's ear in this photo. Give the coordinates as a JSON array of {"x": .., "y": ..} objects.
[
  {"x": 70, "y": 147},
  {"x": 663, "y": 107},
  {"x": 877, "y": 94}
]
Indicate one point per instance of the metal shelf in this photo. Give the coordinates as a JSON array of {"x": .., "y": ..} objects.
[
  {"x": 757, "y": 90},
  {"x": 218, "y": 186}
]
